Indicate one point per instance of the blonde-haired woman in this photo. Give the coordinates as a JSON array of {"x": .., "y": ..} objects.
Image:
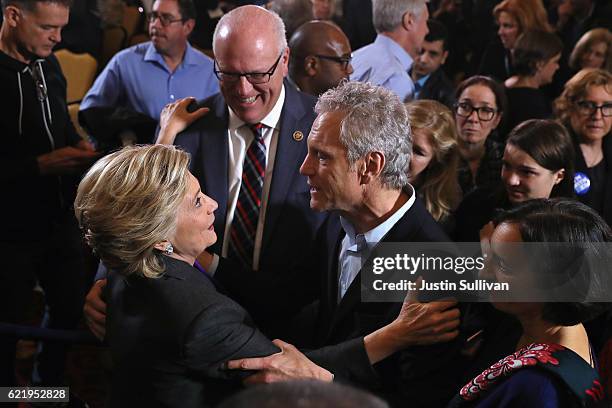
[
  {"x": 170, "y": 332},
  {"x": 593, "y": 50},
  {"x": 433, "y": 166},
  {"x": 585, "y": 107},
  {"x": 513, "y": 17}
]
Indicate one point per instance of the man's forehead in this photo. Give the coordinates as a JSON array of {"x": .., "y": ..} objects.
[
  {"x": 437, "y": 45},
  {"x": 50, "y": 12},
  {"x": 168, "y": 6},
  {"x": 334, "y": 39},
  {"x": 256, "y": 52},
  {"x": 327, "y": 125}
]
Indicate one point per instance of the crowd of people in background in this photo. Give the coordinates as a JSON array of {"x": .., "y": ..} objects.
[{"x": 245, "y": 160}]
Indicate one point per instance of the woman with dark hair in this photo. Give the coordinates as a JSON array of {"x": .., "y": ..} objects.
[
  {"x": 537, "y": 163},
  {"x": 585, "y": 107},
  {"x": 536, "y": 59},
  {"x": 481, "y": 104},
  {"x": 552, "y": 363}
]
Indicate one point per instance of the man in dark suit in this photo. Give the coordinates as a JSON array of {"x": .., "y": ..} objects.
[
  {"x": 430, "y": 81},
  {"x": 358, "y": 154},
  {"x": 320, "y": 57},
  {"x": 251, "y": 57}
]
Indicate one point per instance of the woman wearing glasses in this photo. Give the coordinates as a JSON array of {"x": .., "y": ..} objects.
[
  {"x": 585, "y": 107},
  {"x": 478, "y": 112}
]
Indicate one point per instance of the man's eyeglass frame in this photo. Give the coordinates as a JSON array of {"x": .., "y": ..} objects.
[
  {"x": 344, "y": 60},
  {"x": 164, "y": 20},
  {"x": 253, "y": 77}
]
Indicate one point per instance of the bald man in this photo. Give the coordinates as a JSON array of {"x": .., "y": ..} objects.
[
  {"x": 251, "y": 61},
  {"x": 320, "y": 57}
]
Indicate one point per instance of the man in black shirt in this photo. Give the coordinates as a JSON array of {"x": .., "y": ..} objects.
[{"x": 40, "y": 157}]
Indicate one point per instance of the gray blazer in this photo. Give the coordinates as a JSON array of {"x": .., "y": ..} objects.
[{"x": 170, "y": 337}]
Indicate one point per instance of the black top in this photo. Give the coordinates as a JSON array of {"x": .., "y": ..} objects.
[
  {"x": 496, "y": 61},
  {"x": 488, "y": 174},
  {"x": 595, "y": 196},
  {"x": 524, "y": 104},
  {"x": 31, "y": 127},
  {"x": 169, "y": 338},
  {"x": 476, "y": 210},
  {"x": 599, "y": 195},
  {"x": 439, "y": 88}
]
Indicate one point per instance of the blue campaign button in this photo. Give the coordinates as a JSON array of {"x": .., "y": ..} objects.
[{"x": 582, "y": 183}]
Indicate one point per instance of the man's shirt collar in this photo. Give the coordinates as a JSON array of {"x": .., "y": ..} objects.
[{"x": 376, "y": 234}]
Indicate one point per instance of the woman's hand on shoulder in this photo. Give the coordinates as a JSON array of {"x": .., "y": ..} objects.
[{"x": 176, "y": 117}]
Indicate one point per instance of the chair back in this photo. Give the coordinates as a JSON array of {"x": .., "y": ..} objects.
[{"x": 80, "y": 72}]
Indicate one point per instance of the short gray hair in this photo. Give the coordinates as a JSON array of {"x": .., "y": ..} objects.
[
  {"x": 388, "y": 14},
  {"x": 375, "y": 120},
  {"x": 242, "y": 17}
]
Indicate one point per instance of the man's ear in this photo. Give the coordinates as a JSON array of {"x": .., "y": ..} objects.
[
  {"x": 12, "y": 15},
  {"x": 188, "y": 26},
  {"x": 310, "y": 66},
  {"x": 371, "y": 167},
  {"x": 284, "y": 62},
  {"x": 408, "y": 21},
  {"x": 444, "y": 56}
]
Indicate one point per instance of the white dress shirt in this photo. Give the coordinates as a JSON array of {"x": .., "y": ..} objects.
[
  {"x": 240, "y": 137},
  {"x": 356, "y": 248}
]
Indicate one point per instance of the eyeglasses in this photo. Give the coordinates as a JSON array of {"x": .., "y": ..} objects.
[
  {"x": 344, "y": 61},
  {"x": 164, "y": 19},
  {"x": 484, "y": 113},
  {"x": 588, "y": 108},
  {"x": 252, "y": 77}
]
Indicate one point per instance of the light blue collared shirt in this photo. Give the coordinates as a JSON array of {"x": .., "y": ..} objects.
[
  {"x": 139, "y": 79},
  {"x": 384, "y": 63},
  {"x": 356, "y": 248}
]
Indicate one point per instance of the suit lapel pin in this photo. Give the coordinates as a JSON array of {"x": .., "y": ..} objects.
[{"x": 298, "y": 136}]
